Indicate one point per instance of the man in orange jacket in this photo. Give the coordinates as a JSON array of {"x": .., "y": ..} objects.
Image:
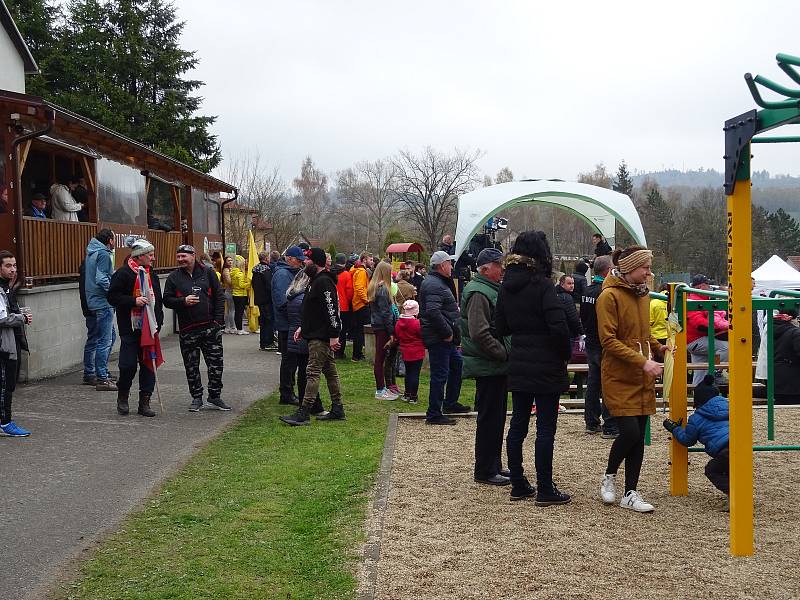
[{"x": 360, "y": 314}]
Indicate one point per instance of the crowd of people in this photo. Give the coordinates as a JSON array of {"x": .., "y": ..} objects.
[{"x": 512, "y": 329}]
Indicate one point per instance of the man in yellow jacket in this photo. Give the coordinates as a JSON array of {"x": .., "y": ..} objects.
[
  {"x": 360, "y": 315},
  {"x": 658, "y": 316}
]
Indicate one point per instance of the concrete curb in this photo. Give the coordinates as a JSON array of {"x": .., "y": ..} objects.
[{"x": 372, "y": 547}]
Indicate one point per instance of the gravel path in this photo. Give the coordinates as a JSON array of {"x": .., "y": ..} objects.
[{"x": 447, "y": 537}]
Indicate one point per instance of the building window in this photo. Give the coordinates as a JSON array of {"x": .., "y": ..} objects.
[
  {"x": 161, "y": 205},
  {"x": 199, "y": 211},
  {"x": 213, "y": 213},
  {"x": 121, "y": 194}
]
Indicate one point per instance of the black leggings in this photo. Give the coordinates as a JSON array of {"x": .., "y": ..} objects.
[
  {"x": 239, "y": 304},
  {"x": 629, "y": 446}
]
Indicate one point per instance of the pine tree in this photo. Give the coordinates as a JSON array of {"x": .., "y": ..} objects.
[
  {"x": 623, "y": 184},
  {"x": 38, "y": 22},
  {"x": 119, "y": 62},
  {"x": 785, "y": 233}
]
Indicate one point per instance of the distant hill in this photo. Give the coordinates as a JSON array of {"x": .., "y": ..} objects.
[{"x": 770, "y": 191}]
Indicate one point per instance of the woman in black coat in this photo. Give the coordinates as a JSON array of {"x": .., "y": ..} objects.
[
  {"x": 530, "y": 312},
  {"x": 297, "y": 351},
  {"x": 787, "y": 357}
]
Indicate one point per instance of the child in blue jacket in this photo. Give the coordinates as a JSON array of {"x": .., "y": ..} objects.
[{"x": 709, "y": 424}]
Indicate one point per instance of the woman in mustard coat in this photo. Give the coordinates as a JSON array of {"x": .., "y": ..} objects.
[{"x": 628, "y": 370}]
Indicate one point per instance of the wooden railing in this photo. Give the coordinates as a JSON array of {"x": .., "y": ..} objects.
[{"x": 54, "y": 249}]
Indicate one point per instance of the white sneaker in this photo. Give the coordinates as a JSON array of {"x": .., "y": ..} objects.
[
  {"x": 608, "y": 489},
  {"x": 243, "y": 332},
  {"x": 385, "y": 394},
  {"x": 633, "y": 500},
  {"x": 562, "y": 408}
]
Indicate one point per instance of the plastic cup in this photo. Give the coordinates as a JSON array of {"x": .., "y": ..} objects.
[{"x": 196, "y": 290}]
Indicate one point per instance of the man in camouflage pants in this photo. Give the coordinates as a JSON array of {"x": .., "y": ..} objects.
[{"x": 194, "y": 293}]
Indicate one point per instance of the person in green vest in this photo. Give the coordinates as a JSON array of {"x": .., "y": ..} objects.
[{"x": 486, "y": 361}]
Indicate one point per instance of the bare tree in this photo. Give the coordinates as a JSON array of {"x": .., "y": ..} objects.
[
  {"x": 429, "y": 185},
  {"x": 598, "y": 177},
  {"x": 369, "y": 190},
  {"x": 504, "y": 175},
  {"x": 262, "y": 196},
  {"x": 312, "y": 188}
]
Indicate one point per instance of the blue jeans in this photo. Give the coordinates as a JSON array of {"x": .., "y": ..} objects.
[
  {"x": 105, "y": 340},
  {"x": 445, "y": 363},
  {"x": 267, "y": 335},
  {"x": 90, "y": 347},
  {"x": 546, "y": 420}
]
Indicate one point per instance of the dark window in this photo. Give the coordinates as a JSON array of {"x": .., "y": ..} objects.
[
  {"x": 199, "y": 211},
  {"x": 120, "y": 193},
  {"x": 160, "y": 206},
  {"x": 213, "y": 213}
]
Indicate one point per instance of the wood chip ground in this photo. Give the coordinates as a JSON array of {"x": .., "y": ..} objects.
[{"x": 446, "y": 537}]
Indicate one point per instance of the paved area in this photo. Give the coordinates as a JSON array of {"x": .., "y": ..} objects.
[{"x": 85, "y": 467}]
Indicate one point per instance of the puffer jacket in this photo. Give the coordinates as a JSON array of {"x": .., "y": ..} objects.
[
  {"x": 240, "y": 283},
  {"x": 262, "y": 285},
  {"x": 697, "y": 321},
  {"x": 344, "y": 287},
  {"x": 708, "y": 424},
  {"x": 282, "y": 276},
  {"x": 623, "y": 324},
  {"x": 787, "y": 357},
  {"x": 360, "y": 283},
  {"x": 294, "y": 311},
  {"x": 381, "y": 315},
  {"x": 438, "y": 310},
  {"x": 98, "y": 272},
  {"x": 530, "y": 312}
]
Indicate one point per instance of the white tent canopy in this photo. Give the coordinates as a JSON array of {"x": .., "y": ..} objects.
[
  {"x": 775, "y": 274},
  {"x": 599, "y": 207}
]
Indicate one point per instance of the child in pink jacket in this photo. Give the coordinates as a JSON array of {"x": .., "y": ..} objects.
[{"x": 409, "y": 333}]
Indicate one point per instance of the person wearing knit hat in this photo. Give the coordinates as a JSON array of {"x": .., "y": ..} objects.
[
  {"x": 710, "y": 426},
  {"x": 131, "y": 299},
  {"x": 344, "y": 290},
  {"x": 98, "y": 269},
  {"x": 408, "y": 333},
  {"x": 628, "y": 370}
]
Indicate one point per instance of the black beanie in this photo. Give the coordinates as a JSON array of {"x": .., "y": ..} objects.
[
  {"x": 705, "y": 391},
  {"x": 317, "y": 256}
]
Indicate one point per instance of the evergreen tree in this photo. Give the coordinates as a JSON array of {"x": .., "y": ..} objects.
[
  {"x": 119, "y": 62},
  {"x": 785, "y": 233},
  {"x": 38, "y": 22},
  {"x": 623, "y": 183}
]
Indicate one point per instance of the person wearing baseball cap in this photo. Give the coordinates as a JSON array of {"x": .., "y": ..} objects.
[
  {"x": 697, "y": 327},
  {"x": 283, "y": 273},
  {"x": 486, "y": 361},
  {"x": 442, "y": 337},
  {"x": 344, "y": 289},
  {"x": 194, "y": 292}
]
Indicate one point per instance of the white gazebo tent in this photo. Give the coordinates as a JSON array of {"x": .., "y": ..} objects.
[
  {"x": 775, "y": 274},
  {"x": 599, "y": 207}
]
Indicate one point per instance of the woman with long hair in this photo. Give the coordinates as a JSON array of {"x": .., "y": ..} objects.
[
  {"x": 227, "y": 285},
  {"x": 628, "y": 371},
  {"x": 240, "y": 289},
  {"x": 530, "y": 312},
  {"x": 382, "y": 319}
]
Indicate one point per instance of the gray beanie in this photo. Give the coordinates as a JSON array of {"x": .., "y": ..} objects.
[{"x": 141, "y": 247}]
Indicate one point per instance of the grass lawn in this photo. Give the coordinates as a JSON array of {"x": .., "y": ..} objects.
[{"x": 264, "y": 511}]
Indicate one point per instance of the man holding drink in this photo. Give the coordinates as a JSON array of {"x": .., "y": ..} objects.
[
  {"x": 194, "y": 293},
  {"x": 12, "y": 341}
]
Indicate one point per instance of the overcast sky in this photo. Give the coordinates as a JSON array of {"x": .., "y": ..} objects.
[{"x": 546, "y": 88}]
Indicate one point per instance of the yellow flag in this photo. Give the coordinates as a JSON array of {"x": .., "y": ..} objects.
[{"x": 252, "y": 261}]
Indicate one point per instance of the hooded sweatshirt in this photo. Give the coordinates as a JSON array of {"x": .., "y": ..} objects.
[{"x": 98, "y": 272}]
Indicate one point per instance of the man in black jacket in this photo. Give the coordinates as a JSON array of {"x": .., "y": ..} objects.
[
  {"x": 439, "y": 318},
  {"x": 124, "y": 294},
  {"x": 320, "y": 325},
  {"x": 594, "y": 354},
  {"x": 194, "y": 293},
  {"x": 601, "y": 246},
  {"x": 262, "y": 297}
]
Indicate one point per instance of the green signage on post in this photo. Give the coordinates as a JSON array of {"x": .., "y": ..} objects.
[{"x": 230, "y": 249}]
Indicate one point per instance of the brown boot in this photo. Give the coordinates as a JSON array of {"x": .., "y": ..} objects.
[
  {"x": 122, "y": 402},
  {"x": 144, "y": 405}
]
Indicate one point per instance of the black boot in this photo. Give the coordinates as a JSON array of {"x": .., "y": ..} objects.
[
  {"x": 144, "y": 405},
  {"x": 298, "y": 417},
  {"x": 521, "y": 489},
  {"x": 548, "y": 495},
  {"x": 317, "y": 409},
  {"x": 336, "y": 414},
  {"x": 122, "y": 402}
]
